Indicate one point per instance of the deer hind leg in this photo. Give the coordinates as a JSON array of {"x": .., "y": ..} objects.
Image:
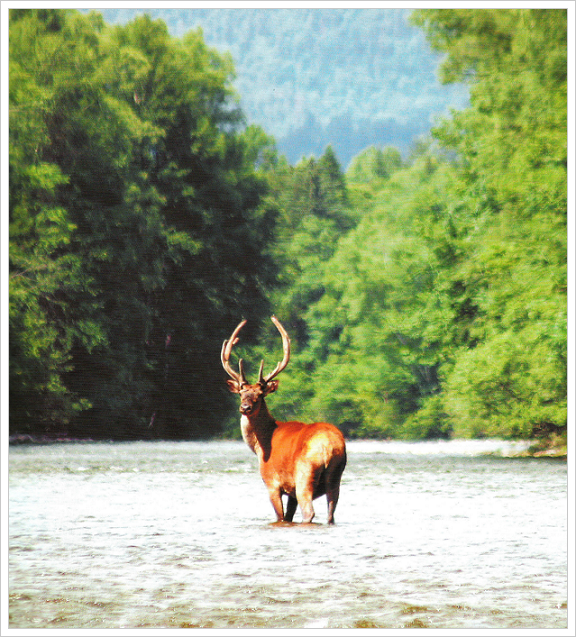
[
  {"x": 332, "y": 494},
  {"x": 305, "y": 502},
  {"x": 305, "y": 483},
  {"x": 291, "y": 506},
  {"x": 333, "y": 476}
]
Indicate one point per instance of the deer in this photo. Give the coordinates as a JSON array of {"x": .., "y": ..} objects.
[{"x": 302, "y": 461}]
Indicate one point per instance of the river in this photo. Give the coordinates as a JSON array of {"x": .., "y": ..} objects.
[{"x": 179, "y": 534}]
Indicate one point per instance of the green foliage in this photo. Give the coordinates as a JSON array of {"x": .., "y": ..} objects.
[
  {"x": 442, "y": 310},
  {"x": 381, "y": 306},
  {"x": 513, "y": 383},
  {"x": 313, "y": 213},
  {"x": 424, "y": 298},
  {"x": 44, "y": 274},
  {"x": 374, "y": 163},
  {"x": 133, "y": 193}
]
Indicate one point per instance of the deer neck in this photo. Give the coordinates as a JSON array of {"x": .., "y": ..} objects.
[{"x": 257, "y": 431}]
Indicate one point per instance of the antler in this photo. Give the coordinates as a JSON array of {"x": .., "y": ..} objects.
[
  {"x": 240, "y": 377},
  {"x": 282, "y": 365},
  {"x": 225, "y": 355}
]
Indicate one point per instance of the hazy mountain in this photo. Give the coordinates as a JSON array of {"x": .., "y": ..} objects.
[{"x": 313, "y": 77}]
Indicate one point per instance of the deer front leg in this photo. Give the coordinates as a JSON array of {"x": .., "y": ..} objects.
[{"x": 276, "y": 499}]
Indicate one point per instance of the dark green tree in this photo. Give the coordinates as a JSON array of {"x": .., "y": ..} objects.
[
  {"x": 374, "y": 163},
  {"x": 138, "y": 184}
]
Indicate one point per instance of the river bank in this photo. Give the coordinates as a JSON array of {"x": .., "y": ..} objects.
[{"x": 552, "y": 447}]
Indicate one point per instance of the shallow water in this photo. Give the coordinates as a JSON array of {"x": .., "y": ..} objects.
[{"x": 165, "y": 534}]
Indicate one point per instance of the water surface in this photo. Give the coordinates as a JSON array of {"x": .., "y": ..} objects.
[{"x": 167, "y": 534}]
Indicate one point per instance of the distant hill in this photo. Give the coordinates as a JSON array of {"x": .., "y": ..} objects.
[{"x": 313, "y": 77}]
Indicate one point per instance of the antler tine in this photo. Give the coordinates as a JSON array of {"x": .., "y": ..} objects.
[
  {"x": 261, "y": 374},
  {"x": 286, "y": 345},
  {"x": 226, "y": 365},
  {"x": 226, "y": 351},
  {"x": 241, "y": 368}
]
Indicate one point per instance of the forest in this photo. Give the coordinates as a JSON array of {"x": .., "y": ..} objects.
[
  {"x": 293, "y": 68},
  {"x": 426, "y": 296}
]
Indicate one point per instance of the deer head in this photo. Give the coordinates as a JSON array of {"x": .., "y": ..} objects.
[{"x": 252, "y": 395}]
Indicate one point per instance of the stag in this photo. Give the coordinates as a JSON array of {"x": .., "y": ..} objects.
[{"x": 302, "y": 461}]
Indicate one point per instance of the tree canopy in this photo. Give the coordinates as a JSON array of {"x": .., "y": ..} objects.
[
  {"x": 426, "y": 296},
  {"x": 134, "y": 195},
  {"x": 442, "y": 309}
]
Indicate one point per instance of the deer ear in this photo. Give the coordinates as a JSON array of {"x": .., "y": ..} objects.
[
  {"x": 271, "y": 386},
  {"x": 234, "y": 386}
]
